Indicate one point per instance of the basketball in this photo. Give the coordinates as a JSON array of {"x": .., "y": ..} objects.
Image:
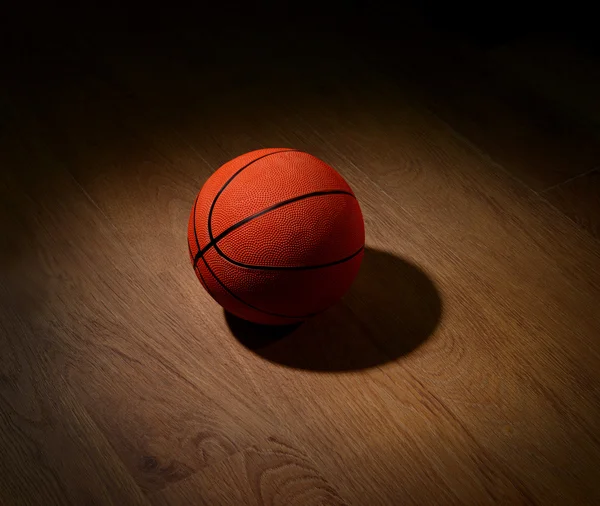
[{"x": 276, "y": 236}]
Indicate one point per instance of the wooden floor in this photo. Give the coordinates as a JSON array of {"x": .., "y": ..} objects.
[{"x": 463, "y": 367}]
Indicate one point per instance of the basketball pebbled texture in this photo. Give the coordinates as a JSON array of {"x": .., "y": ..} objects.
[{"x": 276, "y": 236}]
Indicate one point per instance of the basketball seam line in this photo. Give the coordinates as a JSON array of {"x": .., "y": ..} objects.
[
  {"x": 194, "y": 224},
  {"x": 288, "y": 268},
  {"x": 204, "y": 283},
  {"x": 283, "y": 203},
  {"x": 222, "y": 189},
  {"x": 230, "y": 292}
]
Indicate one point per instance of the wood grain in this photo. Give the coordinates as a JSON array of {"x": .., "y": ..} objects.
[
  {"x": 461, "y": 368},
  {"x": 273, "y": 473}
]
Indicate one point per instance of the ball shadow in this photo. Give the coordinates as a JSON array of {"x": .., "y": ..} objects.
[{"x": 391, "y": 309}]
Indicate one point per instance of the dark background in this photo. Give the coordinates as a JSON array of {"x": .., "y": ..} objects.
[{"x": 481, "y": 22}]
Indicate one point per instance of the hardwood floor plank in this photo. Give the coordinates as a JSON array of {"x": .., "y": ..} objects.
[{"x": 52, "y": 451}]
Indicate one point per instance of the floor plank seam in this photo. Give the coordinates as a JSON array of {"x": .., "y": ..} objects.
[{"x": 568, "y": 180}]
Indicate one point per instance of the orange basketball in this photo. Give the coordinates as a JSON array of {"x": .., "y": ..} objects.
[{"x": 276, "y": 236}]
